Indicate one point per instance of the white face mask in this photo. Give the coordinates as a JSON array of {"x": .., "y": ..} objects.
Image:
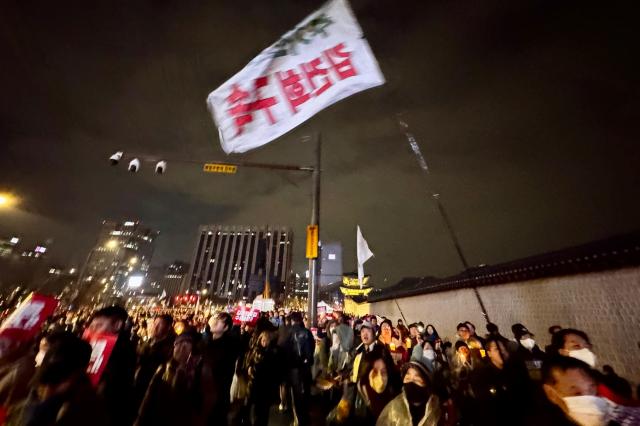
[
  {"x": 39, "y": 357},
  {"x": 429, "y": 354},
  {"x": 588, "y": 410},
  {"x": 528, "y": 343},
  {"x": 584, "y": 355}
]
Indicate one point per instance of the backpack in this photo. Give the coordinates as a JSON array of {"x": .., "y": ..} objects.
[{"x": 303, "y": 347}]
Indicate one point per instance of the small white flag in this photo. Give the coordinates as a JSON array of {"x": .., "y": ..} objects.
[
  {"x": 364, "y": 254},
  {"x": 163, "y": 295}
]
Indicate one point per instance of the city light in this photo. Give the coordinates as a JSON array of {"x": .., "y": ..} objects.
[
  {"x": 7, "y": 200},
  {"x": 133, "y": 260},
  {"x": 15, "y": 240},
  {"x": 111, "y": 244},
  {"x": 135, "y": 281}
]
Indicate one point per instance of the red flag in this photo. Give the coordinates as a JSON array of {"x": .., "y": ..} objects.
[
  {"x": 101, "y": 347},
  {"x": 26, "y": 321}
]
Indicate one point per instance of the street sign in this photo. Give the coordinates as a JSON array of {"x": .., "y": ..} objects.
[
  {"x": 312, "y": 241},
  {"x": 219, "y": 168}
]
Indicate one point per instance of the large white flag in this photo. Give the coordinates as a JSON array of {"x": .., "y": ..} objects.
[
  {"x": 321, "y": 61},
  {"x": 364, "y": 254}
]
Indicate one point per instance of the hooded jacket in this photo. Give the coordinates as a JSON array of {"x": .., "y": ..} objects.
[{"x": 397, "y": 412}]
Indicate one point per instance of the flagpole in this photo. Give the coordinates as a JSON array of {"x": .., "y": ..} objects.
[
  {"x": 315, "y": 220},
  {"x": 413, "y": 143}
]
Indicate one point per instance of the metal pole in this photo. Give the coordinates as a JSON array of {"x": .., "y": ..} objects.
[
  {"x": 315, "y": 220},
  {"x": 413, "y": 143},
  {"x": 401, "y": 313},
  {"x": 252, "y": 164},
  {"x": 463, "y": 259}
]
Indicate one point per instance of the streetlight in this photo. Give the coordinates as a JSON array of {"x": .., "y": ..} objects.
[
  {"x": 135, "y": 281},
  {"x": 111, "y": 244},
  {"x": 7, "y": 200}
]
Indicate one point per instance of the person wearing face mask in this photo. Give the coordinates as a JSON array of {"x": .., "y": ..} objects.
[
  {"x": 571, "y": 387},
  {"x": 364, "y": 354},
  {"x": 527, "y": 350},
  {"x": 425, "y": 354},
  {"x": 377, "y": 386},
  {"x": 417, "y": 404},
  {"x": 431, "y": 356},
  {"x": 576, "y": 344}
]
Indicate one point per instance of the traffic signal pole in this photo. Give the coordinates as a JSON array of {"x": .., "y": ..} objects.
[
  {"x": 315, "y": 200},
  {"x": 315, "y": 221}
]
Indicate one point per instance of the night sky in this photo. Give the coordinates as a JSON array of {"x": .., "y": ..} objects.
[{"x": 527, "y": 113}]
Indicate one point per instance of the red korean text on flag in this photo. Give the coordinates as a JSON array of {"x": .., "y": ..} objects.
[{"x": 318, "y": 63}]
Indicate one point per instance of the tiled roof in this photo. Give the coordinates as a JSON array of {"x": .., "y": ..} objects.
[{"x": 611, "y": 253}]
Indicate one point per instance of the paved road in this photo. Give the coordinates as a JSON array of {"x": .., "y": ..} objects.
[{"x": 319, "y": 409}]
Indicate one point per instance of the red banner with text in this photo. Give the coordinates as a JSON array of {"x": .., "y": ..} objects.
[
  {"x": 101, "y": 347},
  {"x": 26, "y": 321},
  {"x": 246, "y": 315}
]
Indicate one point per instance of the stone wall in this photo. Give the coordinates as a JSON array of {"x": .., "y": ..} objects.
[{"x": 606, "y": 305}]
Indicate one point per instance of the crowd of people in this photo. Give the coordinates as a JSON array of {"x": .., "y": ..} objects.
[{"x": 193, "y": 370}]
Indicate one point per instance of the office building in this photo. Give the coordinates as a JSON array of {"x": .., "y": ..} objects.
[
  {"x": 233, "y": 262},
  {"x": 119, "y": 261},
  {"x": 21, "y": 266},
  {"x": 173, "y": 278},
  {"x": 8, "y": 246},
  {"x": 330, "y": 263}
]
